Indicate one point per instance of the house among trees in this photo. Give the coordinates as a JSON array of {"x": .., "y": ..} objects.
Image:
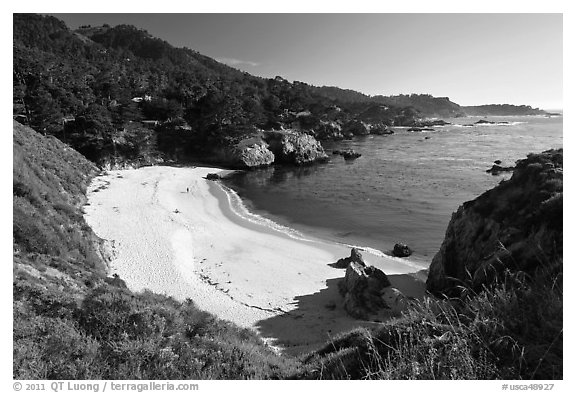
[
  {"x": 140, "y": 99},
  {"x": 68, "y": 119},
  {"x": 150, "y": 123}
]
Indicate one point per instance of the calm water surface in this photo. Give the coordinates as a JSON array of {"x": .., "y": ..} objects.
[{"x": 404, "y": 188}]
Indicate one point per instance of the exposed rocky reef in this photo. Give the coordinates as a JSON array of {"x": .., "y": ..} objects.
[
  {"x": 429, "y": 123},
  {"x": 348, "y": 154},
  {"x": 380, "y": 129},
  {"x": 515, "y": 226},
  {"x": 418, "y": 129},
  {"x": 491, "y": 122}
]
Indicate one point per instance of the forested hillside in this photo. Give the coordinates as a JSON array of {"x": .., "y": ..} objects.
[
  {"x": 502, "y": 110},
  {"x": 116, "y": 93}
]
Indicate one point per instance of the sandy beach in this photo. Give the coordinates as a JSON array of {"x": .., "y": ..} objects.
[{"x": 176, "y": 233}]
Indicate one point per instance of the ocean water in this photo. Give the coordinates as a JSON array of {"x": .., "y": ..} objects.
[{"x": 404, "y": 188}]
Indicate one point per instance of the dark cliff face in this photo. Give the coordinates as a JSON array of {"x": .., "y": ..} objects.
[{"x": 516, "y": 226}]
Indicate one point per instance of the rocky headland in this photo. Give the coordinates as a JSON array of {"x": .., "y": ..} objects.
[{"x": 516, "y": 226}]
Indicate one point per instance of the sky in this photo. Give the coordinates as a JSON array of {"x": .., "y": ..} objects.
[{"x": 471, "y": 58}]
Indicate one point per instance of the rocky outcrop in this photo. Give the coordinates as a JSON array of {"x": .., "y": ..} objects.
[
  {"x": 350, "y": 154},
  {"x": 251, "y": 155},
  {"x": 368, "y": 294},
  {"x": 380, "y": 129},
  {"x": 430, "y": 123},
  {"x": 497, "y": 169},
  {"x": 328, "y": 130},
  {"x": 355, "y": 128},
  {"x": 401, "y": 250},
  {"x": 419, "y": 129},
  {"x": 355, "y": 256},
  {"x": 516, "y": 226},
  {"x": 294, "y": 148},
  {"x": 491, "y": 122},
  {"x": 367, "y": 291}
]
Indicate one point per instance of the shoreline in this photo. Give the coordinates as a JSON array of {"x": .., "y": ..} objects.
[
  {"x": 194, "y": 245},
  {"x": 321, "y": 235}
]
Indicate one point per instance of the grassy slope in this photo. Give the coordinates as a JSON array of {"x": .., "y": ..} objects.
[
  {"x": 512, "y": 331},
  {"x": 72, "y": 322}
]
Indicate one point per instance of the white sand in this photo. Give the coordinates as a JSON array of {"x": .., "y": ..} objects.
[{"x": 193, "y": 245}]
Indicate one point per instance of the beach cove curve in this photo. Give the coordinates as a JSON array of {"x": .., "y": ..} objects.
[{"x": 178, "y": 234}]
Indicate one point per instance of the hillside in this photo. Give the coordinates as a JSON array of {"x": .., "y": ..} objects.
[
  {"x": 117, "y": 95},
  {"x": 425, "y": 104},
  {"x": 72, "y": 321},
  {"x": 502, "y": 110}
]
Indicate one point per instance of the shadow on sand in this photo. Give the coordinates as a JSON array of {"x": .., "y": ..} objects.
[{"x": 320, "y": 316}]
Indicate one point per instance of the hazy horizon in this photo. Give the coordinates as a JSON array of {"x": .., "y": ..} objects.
[{"x": 474, "y": 59}]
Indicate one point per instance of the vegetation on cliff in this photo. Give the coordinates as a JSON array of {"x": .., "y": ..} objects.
[
  {"x": 425, "y": 103},
  {"x": 72, "y": 321},
  {"x": 515, "y": 226},
  {"x": 502, "y": 110}
]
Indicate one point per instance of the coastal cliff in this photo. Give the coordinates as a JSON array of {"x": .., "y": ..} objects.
[{"x": 516, "y": 226}]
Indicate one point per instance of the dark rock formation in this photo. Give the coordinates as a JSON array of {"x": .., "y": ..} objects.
[
  {"x": 355, "y": 257},
  {"x": 485, "y": 122},
  {"x": 356, "y": 127},
  {"x": 418, "y": 129},
  {"x": 497, "y": 169},
  {"x": 368, "y": 293},
  {"x": 329, "y": 131},
  {"x": 380, "y": 129},
  {"x": 350, "y": 154},
  {"x": 294, "y": 148},
  {"x": 401, "y": 250},
  {"x": 515, "y": 226},
  {"x": 212, "y": 176},
  {"x": 430, "y": 123}
]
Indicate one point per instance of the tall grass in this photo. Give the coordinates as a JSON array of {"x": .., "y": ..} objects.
[{"x": 512, "y": 330}]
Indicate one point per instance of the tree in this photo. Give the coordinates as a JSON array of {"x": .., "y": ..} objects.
[{"x": 45, "y": 113}]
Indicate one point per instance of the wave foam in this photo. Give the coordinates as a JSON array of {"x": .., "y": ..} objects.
[{"x": 239, "y": 208}]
